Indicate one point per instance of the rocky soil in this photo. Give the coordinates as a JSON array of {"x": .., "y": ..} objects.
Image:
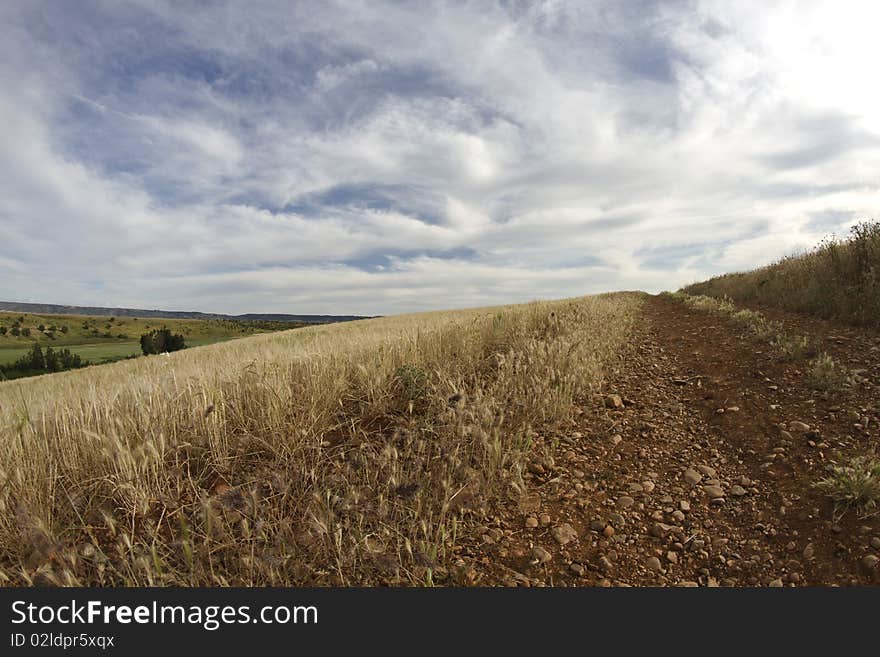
[{"x": 696, "y": 470}]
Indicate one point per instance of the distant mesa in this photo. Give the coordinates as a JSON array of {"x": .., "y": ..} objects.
[{"x": 53, "y": 309}]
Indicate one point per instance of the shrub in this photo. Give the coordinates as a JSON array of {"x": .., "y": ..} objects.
[
  {"x": 854, "y": 485},
  {"x": 793, "y": 347},
  {"x": 824, "y": 374},
  {"x": 161, "y": 341},
  {"x": 411, "y": 381}
]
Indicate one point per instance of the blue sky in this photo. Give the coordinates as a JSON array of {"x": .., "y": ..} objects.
[{"x": 384, "y": 157}]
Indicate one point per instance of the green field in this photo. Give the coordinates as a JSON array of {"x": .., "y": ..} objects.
[{"x": 100, "y": 339}]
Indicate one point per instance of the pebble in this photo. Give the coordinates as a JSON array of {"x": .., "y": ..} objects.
[
  {"x": 714, "y": 492},
  {"x": 692, "y": 476},
  {"x": 648, "y": 485},
  {"x": 706, "y": 470},
  {"x": 614, "y": 401},
  {"x": 684, "y": 505},
  {"x": 798, "y": 426},
  {"x": 536, "y": 468},
  {"x": 776, "y": 583},
  {"x": 531, "y": 522},
  {"x": 875, "y": 543},
  {"x": 672, "y": 557},
  {"x": 654, "y": 564},
  {"x": 738, "y": 490},
  {"x": 608, "y": 532},
  {"x": 564, "y": 534},
  {"x": 597, "y": 525},
  {"x": 541, "y": 555},
  {"x": 576, "y": 568},
  {"x": 624, "y": 502},
  {"x": 870, "y": 561},
  {"x": 545, "y": 519},
  {"x": 809, "y": 551},
  {"x": 660, "y": 529}
]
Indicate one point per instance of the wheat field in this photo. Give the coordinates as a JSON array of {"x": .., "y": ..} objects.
[{"x": 348, "y": 454}]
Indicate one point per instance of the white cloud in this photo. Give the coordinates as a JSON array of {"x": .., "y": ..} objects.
[{"x": 382, "y": 158}]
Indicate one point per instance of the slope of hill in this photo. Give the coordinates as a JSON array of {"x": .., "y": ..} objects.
[
  {"x": 838, "y": 279},
  {"x": 351, "y": 453},
  {"x": 101, "y": 339},
  {"x": 54, "y": 309}
]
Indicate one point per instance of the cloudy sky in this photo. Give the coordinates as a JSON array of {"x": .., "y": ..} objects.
[{"x": 374, "y": 158}]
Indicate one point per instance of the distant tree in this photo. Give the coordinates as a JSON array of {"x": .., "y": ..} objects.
[
  {"x": 161, "y": 340},
  {"x": 3, "y": 330},
  {"x": 69, "y": 360},
  {"x": 41, "y": 327},
  {"x": 53, "y": 364},
  {"x": 37, "y": 362},
  {"x": 64, "y": 329},
  {"x": 15, "y": 330},
  {"x": 26, "y": 332}
]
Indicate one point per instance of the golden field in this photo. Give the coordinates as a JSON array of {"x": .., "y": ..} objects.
[{"x": 344, "y": 454}]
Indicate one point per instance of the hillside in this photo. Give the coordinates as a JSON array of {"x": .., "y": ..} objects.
[
  {"x": 838, "y": 279},
  {"x": 54, "y": 309},
  {"x": 103, "y": 339},
  {"x": 351, "y": 453},
  {"x": 623, "y": 439}
]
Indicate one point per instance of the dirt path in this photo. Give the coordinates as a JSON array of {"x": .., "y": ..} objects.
[{"x": 702, "y": 475}]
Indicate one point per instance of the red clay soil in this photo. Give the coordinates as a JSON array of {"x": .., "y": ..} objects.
[{"x": 703, "y": 476}]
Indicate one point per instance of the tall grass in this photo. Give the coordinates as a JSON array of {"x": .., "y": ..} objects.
[
  {"x": 838, "y": 279},
  {"x": 355, "y": 453}
]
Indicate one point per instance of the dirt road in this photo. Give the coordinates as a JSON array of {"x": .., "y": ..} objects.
[{"x": 702, "y": 475}]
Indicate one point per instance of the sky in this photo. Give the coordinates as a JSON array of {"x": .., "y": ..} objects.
[{"x": 387, "y": 157}]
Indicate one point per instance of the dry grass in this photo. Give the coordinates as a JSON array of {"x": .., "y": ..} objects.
[
  {"x": 838, "y": 279},
  {"x": 826, "y": 374},
  {"x": 356, "y": 453},
  {"x": 853, "y": 485},
  {"x": 789, "y": 347}
]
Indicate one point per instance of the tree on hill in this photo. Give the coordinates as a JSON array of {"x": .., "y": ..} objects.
[
  {"x": 26, "y": 332},
  {"x": 15, "y": 330},
  {"x": 52, "y": 362},
  {"x": 3, "y": 330},
  {"x": 160, "y": 341},
  {"x": 37, "y": 362}
]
